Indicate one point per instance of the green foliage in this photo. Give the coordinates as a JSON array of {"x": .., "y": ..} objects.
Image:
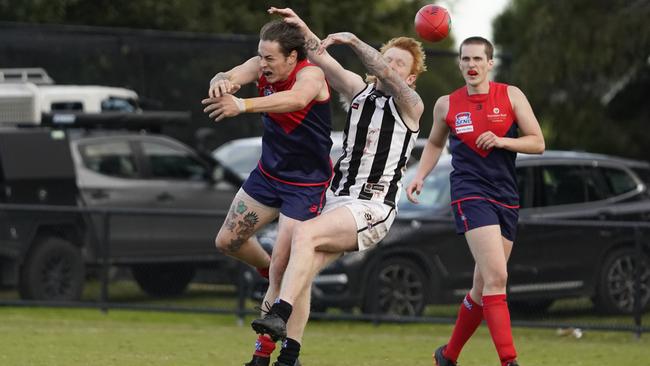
[
  {"x": 570, "y": 57},
  {"x": 375, "y": 21}
]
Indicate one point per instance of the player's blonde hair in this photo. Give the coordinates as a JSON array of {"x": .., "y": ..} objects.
[{"x": 410, "y": 45}]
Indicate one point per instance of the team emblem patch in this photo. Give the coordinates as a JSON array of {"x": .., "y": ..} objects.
[
  {"x": 464, "y": 122},
  {"x": 268, "y": 90}
]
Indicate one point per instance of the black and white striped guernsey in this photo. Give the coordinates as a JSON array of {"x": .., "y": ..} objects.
[{"x": 376, "y": 145}]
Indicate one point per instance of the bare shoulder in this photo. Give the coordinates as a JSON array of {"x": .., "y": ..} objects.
[
  {"x": 442, "y": 106},
  {"x": 311, "y": 71},
  {"x": 515, "y": 94}
]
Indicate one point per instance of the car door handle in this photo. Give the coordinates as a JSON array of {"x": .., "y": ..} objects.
[
  {"x": 99, "y": 194},
  {"x": 165, "y": 196}
]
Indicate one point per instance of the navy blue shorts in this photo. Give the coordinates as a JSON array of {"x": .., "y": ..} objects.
[
  {"x": 473, "y": 213},
  {"x": 294, "y": 201}
]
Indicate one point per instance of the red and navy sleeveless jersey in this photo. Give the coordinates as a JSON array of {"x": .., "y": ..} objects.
[
  {"x": 296, "y": 145},
  {"x": 482, "y": 174}
]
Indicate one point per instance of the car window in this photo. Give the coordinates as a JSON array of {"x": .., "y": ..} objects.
[
  {"x": 114, "y": 159},
  {"x": 241, "y": 159},
  {"x": 618, "y": 181},
  {"x": 167, "y": 162},
  {"x": 119, "y": 104},
  {"x": 567, "y": 184},
  {"x": 67, "y": 106},
  {"x": 435, "y": 191}
]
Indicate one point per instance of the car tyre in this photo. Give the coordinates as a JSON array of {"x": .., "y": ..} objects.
[
  {"x": 163, "y": 279},
  {"x": 616, "y": 291},
  {"x": 53, "y": 270},
  {"x": 397, "y": 288}
]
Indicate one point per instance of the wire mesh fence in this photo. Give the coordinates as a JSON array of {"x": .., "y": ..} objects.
[{"x": 228, "y": 287}]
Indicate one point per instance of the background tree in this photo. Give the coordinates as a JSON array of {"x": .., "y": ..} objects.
[
  {"x": 585, "y": 66},
  {"x": 173, "y": 68}
]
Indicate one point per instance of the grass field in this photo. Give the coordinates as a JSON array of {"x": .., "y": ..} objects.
[{"x": 75, "y": 337}]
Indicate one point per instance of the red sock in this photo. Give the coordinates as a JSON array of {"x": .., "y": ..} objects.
[
  {"x": 264, "y": 346},
  {"x": 264, "y": 272},
  {"x": 470, "y": 315},
  {"x": 497, "y": 317}
]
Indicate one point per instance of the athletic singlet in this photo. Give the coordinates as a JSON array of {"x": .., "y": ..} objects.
[
  {"x": 296, "y": 145},
  {"x": 376, "y": 146},
  {"x": 482, "y": 174}
]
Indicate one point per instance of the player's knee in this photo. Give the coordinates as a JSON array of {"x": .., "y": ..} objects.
[
  {"x": 225, "y": 244},
  {"x": 497, "y": 280}
]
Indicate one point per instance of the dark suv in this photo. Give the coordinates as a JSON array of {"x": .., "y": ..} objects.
[
  {"x": 424, "y": 261},
  {"x": 46, "y": 254}
]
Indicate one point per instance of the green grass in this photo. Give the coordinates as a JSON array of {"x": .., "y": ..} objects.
[{"x": 72, "y": 337}]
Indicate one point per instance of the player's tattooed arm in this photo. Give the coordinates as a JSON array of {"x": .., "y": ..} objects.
[
  {"x": 377, "y": 65},
  {"x": 312, "y": 43},
  {"x": 374, "y": 61}
]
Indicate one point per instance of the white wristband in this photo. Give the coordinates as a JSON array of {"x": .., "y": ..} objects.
[{"x": 240, "y": 104}]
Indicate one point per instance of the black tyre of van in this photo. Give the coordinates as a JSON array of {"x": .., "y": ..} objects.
[{"x": 53, "y": 270}]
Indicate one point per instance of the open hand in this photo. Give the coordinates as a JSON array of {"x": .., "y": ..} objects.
[
  {"x": 221, "y": 107},
  {"x": 336, "y": 38},
  {"x": 289, "y": 16},
  {"x": 221, "y": 87}
]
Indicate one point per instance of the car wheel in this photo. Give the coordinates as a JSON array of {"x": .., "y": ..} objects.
[
  {"x": 166, "y": 279},
  {"x": 52, "y": 270},
  {"x": 397, "y": 289},
  {"x": 615, "y": 293}
]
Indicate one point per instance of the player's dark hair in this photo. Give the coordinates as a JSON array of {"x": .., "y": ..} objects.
[
  {"x": 288, "y": 36},
  {"x": 489, "y": 48}
]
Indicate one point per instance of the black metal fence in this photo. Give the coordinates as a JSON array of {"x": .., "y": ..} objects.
[{"x": 240, "y": 305}]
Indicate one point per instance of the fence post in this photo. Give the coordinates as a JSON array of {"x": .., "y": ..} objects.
[
  {"x": 640, "y": 264},
  {"x": 105, "y": 254}
]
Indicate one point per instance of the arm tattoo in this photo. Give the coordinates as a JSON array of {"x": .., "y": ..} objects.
[
  {"x": 376, "y": 65},
  {"x": 312, "y": 44}
]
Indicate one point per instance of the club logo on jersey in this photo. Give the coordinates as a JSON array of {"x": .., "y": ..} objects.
[
  {"x": 497, "y": 116},
  {"x": 464, "y": 122},
  {"x": 355, "y": 105},
  {"x": 268, "y": 90}
]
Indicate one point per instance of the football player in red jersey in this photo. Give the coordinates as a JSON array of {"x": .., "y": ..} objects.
[
  {"x": 294, "y": 170},
  {"x": 487, "y": 123}
]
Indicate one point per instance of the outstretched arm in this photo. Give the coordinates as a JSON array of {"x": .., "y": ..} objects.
[
  {"x": 345, "y": 82},
  {"x": 230, "y": 81},
  {"x": 408, "y": 101},
  {"x": 309, "y": 85}
]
